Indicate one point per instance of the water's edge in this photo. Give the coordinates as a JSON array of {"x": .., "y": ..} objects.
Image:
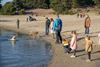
[{"x": 39, "y": 36}]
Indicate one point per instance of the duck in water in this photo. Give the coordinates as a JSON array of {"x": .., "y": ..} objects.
[{"x": 13, "y": 38}]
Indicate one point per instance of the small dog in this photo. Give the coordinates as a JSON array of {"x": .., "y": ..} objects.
[{"x": 33, "y": 34}]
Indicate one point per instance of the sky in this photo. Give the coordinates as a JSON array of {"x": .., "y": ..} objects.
[{"x": 4, "y": 1}]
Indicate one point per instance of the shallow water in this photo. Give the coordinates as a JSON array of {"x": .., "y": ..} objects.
[{"x": 25, "y": 52}]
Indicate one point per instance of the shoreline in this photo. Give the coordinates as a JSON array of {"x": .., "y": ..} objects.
[{"x": 59, "y": 59}]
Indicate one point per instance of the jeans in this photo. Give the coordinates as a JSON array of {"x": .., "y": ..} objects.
[
  {"x": 46, "y": 30},
  {"x": 58, "y": 36},
  {"x": 86, "y": 30},
  {"x": 66, "y": 49}
]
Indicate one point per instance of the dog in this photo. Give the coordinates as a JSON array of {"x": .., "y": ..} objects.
[{"x": 33, "y": 34}]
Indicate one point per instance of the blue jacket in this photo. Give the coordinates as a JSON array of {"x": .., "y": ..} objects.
[{"x": 57, "y": 25}]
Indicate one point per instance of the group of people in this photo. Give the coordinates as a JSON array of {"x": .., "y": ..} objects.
[
  {"x": 71, "y": 46},
  {"x": 55, "y": 27},
  {"x": 30, "y": 18}
]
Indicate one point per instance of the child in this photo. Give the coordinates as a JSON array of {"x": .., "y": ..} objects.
[
  {"x": 66, "y": 45},
  {"x": 99, "y": 38},
  {"x": 73, "y": 43},
  {"x": 88, "y": 47},
  {"x": 51, "y": 27}
]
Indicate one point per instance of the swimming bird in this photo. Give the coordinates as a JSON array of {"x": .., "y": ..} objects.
[{"x": 13, "y": 38}]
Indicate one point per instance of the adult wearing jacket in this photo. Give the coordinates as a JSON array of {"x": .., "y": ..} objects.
[
  {"x": 57, "y": 28},
  {"x": 87, "y": 24}
]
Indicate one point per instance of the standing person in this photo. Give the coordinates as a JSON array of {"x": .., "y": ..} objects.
[
  {"x": 81, "y": 14},
  {"x": 57, "y": 28},
  {"x": 88, "y": 47},
  {"x": 18, "y": 22},
  {"x": 27, "y": 19},
  {"x": 32, "y": 13},
  {"x": 87, "y": 24},
  {"x": 78, "y": 14},
  {"x": 73, "y": 43},
  {"x": 51, "y": 27},
  {"x": 47, "y": 25}
]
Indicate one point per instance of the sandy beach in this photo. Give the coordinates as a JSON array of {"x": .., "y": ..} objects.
[{"x": 70, "y": 22}]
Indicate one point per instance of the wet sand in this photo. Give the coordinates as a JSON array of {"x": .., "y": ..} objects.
[{"x": 70, "y": 22}]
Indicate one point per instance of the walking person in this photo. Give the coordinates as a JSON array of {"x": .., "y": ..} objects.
[
  {"x": 51, "y": 27},
  {"x": 18, "y": 23},
  {"x": 57, "y": 28},
  {"x": 88, "y": 47},
  {"x": 87, "y": 24},
  {"x": 47, "y": 25},
  {"x": 73, "y": 43}
]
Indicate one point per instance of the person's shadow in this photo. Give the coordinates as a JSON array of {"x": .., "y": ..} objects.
[
  {"x": 85, "y": 54},
  {"x": 96, "y": 52},
  {"x": 96, "y": 58},
  {"x": 82, "y": 50}
]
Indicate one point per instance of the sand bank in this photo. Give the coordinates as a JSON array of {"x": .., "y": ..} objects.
[{"x": 70, "y": 22}]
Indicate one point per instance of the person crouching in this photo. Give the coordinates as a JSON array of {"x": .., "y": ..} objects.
[{"x": 65, "y": 43}]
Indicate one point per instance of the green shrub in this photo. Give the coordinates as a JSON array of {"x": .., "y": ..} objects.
[
  {"x": 21, "y": 12},
  {"x": 7, "y": 9}
]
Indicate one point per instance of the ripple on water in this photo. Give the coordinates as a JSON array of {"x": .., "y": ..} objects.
[{"x": 24, "y": 53}]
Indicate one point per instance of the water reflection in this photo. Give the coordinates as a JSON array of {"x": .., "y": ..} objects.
[
  {"x": 23, "y": 52},
  {"x": 13, "y": 43}
]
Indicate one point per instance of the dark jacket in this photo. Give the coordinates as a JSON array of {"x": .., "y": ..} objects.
[{"x": 48, "y": 23}]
